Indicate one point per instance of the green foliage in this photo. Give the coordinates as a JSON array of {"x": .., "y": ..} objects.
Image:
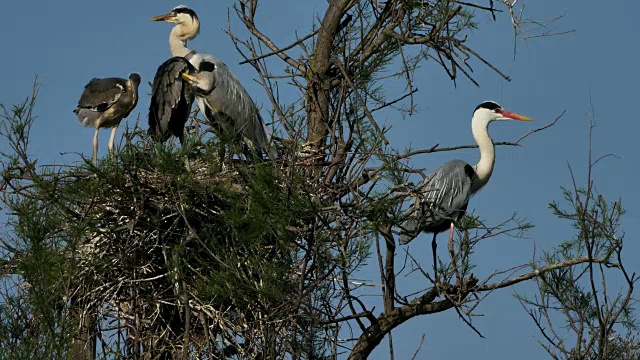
[
  {"x": 600, "y": 324},
  {"x": 143, "y": 230},
  {"x": 165, "y": 251},
  {"x": 597, "y": 222},
  {"x": 33, "y": 323}
]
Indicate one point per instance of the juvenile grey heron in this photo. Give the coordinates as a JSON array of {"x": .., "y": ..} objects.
[
  {"x": 226, "y": 104},
  {"x": 171, "y": 99},
  {"x": 104, "y": 103},
  {"x": 444, "y": 195}
]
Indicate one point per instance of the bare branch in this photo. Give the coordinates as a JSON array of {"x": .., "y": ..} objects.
[{"x": 537, "y": 272}]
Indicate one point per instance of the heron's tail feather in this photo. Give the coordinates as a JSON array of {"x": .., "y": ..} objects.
[
  {"x": 264, "y": 139},
  {"x": 87, "y": 117},
  {"x": 409, "y": 229}
]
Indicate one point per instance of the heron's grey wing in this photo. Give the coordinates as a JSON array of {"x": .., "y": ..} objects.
[
  {"x": 248, "y": 121},
  {"x": 409, "y": 230},
  {"x": 100, "y": 94},
  {"x": 263, "y": 138},
  {"x": 444, "y": 195},
  {"x": 231, "y": 98},
  {"x": 447, "y": 191},
  {"x": 221, "y": 123},
  {"x": 171, "y": 99}
]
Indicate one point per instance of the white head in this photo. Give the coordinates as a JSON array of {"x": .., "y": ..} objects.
[
  {"x": 187, "y": 22},
  {"x": 485, "y": 113},
  {"x": 490, "y": 111}
]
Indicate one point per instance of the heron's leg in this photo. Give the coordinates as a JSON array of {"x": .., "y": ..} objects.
[
  {"x": 251, "y": 153},
  {"x": 246, "y": 151},
  {"x": 186, "y": 158},
  {"x": 452, "y": 253},
  {"x": 451, "y": 239},
  {"x": 222, "y": 152},
  {"x": 434, "y": 246},
  {"x": 95, "y": 147},
  {"x": 233, "y": 150},
  {"x": 111, "y": 140}
]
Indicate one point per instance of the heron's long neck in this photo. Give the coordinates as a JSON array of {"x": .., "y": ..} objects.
[
  {"x": 484, "y": 167},
  {"x": 178, "y": 42}
]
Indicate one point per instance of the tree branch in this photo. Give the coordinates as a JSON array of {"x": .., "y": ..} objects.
[{"x": 537, "y": 272}]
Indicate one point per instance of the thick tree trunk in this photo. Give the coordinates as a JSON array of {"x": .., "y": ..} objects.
[
  {"x": 83, "y": 346},
  {"x": 318, "y": 89}
]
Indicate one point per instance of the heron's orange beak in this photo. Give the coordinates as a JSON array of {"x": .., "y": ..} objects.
[
  {"x": 170, "y": 17},
  {"x": 512, "y": 115},
  {"x": 189, "y": 77}
]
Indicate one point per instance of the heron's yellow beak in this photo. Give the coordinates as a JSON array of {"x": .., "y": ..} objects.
[
  {"x": 514, "y": 116},
  {"x": 189, "y": 77},
  {"x": 166, "y": 17}
]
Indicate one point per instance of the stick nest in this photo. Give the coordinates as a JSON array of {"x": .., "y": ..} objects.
[{"x": 165, "y": 256}]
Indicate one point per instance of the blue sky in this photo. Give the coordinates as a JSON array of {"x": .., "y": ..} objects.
[{"x": 67, "y": 43}]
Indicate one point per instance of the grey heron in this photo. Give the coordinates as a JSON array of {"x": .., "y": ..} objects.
[
  {"x": 171, "y": 99},
  {"x": 104, "y": 103},
  {"x": 444, "y": 195},
  {"x": 227, "y": 104}
]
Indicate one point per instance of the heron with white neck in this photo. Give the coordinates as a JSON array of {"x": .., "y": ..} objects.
[
  {"x": 444, "y": 195},
  {"x": 223, "y": 101}
]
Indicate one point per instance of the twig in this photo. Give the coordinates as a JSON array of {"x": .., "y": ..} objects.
[
  {"x": 362, "y": 102},
  {"x": 259, "y": 57},
  {"x": 542, "y": 270},
  {"x": 541, "y": 128}
]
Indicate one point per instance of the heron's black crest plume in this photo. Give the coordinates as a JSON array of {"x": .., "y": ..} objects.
[
  {"x": 491, "y": 105},
  {"x": 181, "y": 9},
  {"x": 207, "y": 66}
]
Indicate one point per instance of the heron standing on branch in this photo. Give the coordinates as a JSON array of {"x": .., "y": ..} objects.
[
  {"x": 444, "y": 195},
  {"x": 104, "y": 103},
  {"x": 225, "y": 103}
]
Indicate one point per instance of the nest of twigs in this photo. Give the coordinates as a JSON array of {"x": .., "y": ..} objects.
[{"x": 168, "y": 257}]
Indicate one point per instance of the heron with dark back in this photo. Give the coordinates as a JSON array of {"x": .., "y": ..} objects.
[
  {"x": 443, "y": 196},
  {"x": 171, "y": 99},
  {"x": 104, "y": 103},
  {"x": 222, "y": 99}
]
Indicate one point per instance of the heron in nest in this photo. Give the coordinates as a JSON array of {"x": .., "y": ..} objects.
[
  {"x": 222, "y": 99},
  {"x": 104, "y": 103}
]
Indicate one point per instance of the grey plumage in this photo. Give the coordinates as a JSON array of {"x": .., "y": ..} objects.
[
  {"x": 105, "y": 102},
  {"x": 222, "y": 99},
  {"x": 443, "y": 198},
  {"x": 171, "y": 99},
  {"x": 444, "y": 195},
  {"x": 229, "y": 107}
]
